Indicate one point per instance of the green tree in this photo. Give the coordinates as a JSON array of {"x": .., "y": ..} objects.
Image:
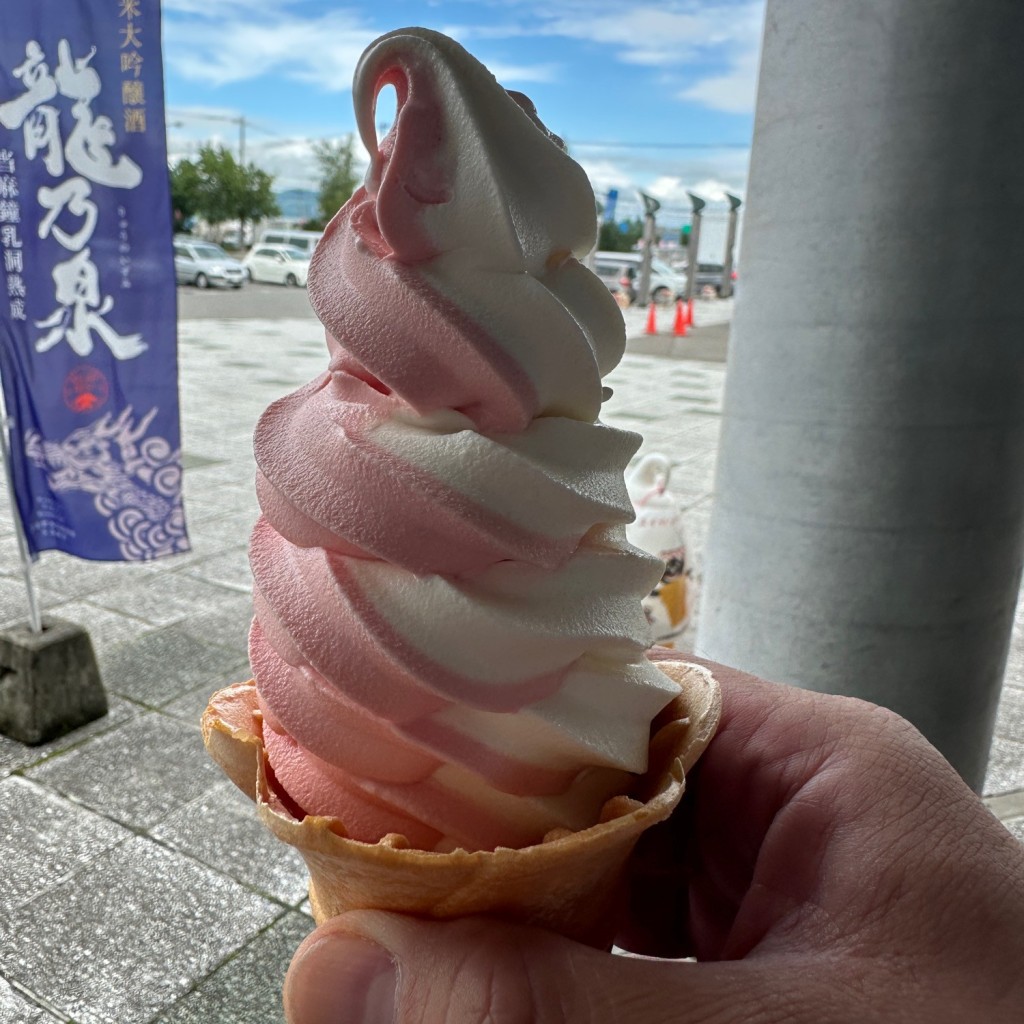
[
  {"x": 256, "y": 200},
  {"x": 338, "y": 179},
  {"x": 616, "y": 238},
  {"x": 225, "y": 190},
  {"x": 220, "y": 184},
  {"x": 185, "y": 199}
]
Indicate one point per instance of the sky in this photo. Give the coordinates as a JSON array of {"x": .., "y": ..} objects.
[{"x": 653, "y": 95}]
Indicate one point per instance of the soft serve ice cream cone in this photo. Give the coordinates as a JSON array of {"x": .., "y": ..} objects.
[
  {"x": 453, "y": 710},
  {"x": 658, "y": 528}
]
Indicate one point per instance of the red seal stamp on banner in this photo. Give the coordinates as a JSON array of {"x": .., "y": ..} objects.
[{"x": 85, "y": 389}]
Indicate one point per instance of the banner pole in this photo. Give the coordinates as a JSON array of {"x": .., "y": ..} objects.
[{"x": 34, "y": 619}]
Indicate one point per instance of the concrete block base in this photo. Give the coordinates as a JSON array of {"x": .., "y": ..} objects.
[{"x": 49, "y": 682}]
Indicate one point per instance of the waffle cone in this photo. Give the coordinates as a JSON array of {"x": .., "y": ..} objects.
[{"x": 568, "y": 883}]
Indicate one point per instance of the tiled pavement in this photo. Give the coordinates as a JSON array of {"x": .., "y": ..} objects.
[{"x": 135, "y": 883}]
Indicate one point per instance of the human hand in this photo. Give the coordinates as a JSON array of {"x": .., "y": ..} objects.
[{"x": 827, "y": 866}]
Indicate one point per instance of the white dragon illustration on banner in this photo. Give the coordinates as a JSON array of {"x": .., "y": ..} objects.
[{"x": 135, "y": 480}]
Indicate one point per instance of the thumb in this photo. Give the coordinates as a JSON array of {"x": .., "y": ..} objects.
[{"x": 368, "y": 967}]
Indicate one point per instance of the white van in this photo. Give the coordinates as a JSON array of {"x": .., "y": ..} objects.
[{"x": 304, "y": 240}]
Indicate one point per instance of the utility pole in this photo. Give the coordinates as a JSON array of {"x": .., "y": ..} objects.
[
  {"x": 867, "y": 531},
  {"x": 241, "y": 164},
  {"x": 238, "y": 119}
]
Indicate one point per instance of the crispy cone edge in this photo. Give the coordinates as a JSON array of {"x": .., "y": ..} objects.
[{"x": 568, "y": 883}]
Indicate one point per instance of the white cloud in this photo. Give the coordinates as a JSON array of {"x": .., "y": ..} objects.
[
  {"x": 255, "y": 39},
  {"x": 320, "y": 51},
  {"x": 225, "y": 41},
  {"x": 293, "y": 165},
  {"x": 605, "y": 175},
  {"x": 673, "y": 190},
  {"x": 289, "y": 160},
  {"x": 509, "y": 73},
  {"x": 679, "y": 38},
  {"x": 700, "y": 52},
  {"x": 222, "y": 9},
  {"x": 642, "y": 34},
  {"x": 732, "y": 92},
  {"x": 709, "y": 176}
]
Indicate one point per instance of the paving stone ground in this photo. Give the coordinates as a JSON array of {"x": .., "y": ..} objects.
[{"x": 137, "y": 886}]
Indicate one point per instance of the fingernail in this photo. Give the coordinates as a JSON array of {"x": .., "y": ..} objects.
[{"x": 347, "y": 980}]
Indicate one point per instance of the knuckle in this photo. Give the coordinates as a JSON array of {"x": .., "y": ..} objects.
[
  {"x": 500, "y": 989},
  {"x": 493, "y": 976}
]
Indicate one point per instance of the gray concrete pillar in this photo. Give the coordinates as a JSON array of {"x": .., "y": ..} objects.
[{"x": 867, "y": 531}]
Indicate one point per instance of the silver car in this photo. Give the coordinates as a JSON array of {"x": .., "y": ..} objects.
[
  {"x": 204, "y": 264},
  {"x": 620, "y": 272},
  {"x": 711, "y": 276}
]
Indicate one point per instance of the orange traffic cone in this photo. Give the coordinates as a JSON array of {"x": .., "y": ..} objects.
[
  {"x": 652, "y": 321},
  {"x": 679, "y": 328}
]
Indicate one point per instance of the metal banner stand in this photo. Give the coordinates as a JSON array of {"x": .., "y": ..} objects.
[
  {"x": 34, "y": 618},
  {"x": 52, "y": 684}
]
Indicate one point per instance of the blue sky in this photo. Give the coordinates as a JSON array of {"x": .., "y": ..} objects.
[{"x": 611, "y": 78}]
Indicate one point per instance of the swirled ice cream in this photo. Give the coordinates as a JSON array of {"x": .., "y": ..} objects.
[{"x": 449, "y": 642}]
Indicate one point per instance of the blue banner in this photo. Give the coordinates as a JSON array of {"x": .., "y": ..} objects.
[
  {"x": 88, "y": 317},
  {"x": 611, "y": 201}
]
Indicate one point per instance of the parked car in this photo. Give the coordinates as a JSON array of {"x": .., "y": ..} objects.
[
  {"x": 278, "y": 264},
  {"x": 204, "y": 264},
  {"x": 304, "y": 240},
  {"x": 711, "y": 275},
  {"x": 620, "y": 272}
]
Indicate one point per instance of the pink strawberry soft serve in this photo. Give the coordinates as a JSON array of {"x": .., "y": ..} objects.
[{"x": 449, "y": 642}]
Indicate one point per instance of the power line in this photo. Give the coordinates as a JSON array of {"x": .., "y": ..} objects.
[
  {"x": 656, "y": 145},
  {"x": 237, "y": 119},
  {"x": 202, "y": 115}
]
